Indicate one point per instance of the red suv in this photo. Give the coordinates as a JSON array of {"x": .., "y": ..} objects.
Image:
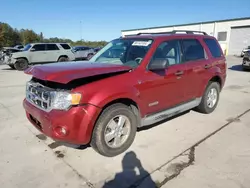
[{"x": 132, "y": 82}]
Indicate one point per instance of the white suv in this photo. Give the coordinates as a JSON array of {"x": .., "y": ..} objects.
[{"x": 40, "y": 53}]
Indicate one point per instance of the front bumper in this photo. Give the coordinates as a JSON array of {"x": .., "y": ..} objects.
[
  {"x": 9, "y": 60},
  {"x": 78, "y": 122}
]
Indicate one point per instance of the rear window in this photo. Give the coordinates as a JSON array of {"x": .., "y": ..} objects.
[
  {"x": 65, "y": 46},
  {"x": 213, "y": 47}
]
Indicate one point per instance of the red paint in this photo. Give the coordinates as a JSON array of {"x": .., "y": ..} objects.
[
  {"x": 140, "y": 85},
  {"x": 78, "y": 121},
  {"x": 65, "y": 72}
]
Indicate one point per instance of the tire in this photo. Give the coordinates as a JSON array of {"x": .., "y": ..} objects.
[
  {"x": 21, "y": 64},
  {"x": 12, "y": 66},
  {"x": 100, "y": 143},
  {"x": 63, "y": 59},
  {"x": 205, "y": 107},
  {"x": 245, "y": 69},
  {"x": 89, "y": 56}
]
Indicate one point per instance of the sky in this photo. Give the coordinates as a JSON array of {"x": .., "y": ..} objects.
[{"x": 104, "y": 19}]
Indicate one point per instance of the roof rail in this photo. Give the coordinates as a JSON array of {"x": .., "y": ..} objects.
[
  {"x": 174, "y": 32},
  {"x": 189, "y": 32},
  {"x": 170, "y": 32}
]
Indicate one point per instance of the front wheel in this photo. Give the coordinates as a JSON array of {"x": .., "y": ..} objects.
[
  {"x": 21, "y": 64},
  {"x": 114, "y": 131},
  {"x": 89, "y": 56},
  {"x": 210, "y": 98}
]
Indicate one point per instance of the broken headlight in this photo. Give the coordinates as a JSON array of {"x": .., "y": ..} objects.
[{"x": 64, "y": 100}]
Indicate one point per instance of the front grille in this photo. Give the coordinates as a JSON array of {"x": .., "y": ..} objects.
[{"x": 39, "y": 95}]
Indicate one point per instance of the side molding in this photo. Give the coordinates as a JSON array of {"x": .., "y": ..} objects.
[{"x": 154, "y": 118}]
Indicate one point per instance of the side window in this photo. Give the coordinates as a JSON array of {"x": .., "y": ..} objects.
[
  {"x": 193, "y": 50},
  {"x": 65, "y": 46},
  {"x": 213, "y": 47},
  {"x": 39, "y": 47},
  {"x": 52, "y": 47},
  {"x": 169, "y": 50}
]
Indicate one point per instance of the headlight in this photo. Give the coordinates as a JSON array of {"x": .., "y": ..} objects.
[{"x": 64, "y": 100}]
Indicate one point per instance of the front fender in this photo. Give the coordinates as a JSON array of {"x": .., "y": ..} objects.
[{"x": 102, "y": 99}]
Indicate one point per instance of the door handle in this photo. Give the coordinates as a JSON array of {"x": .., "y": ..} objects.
[
  {"x": 179, "y": 73},
  {"x": 207, "y": 66}
]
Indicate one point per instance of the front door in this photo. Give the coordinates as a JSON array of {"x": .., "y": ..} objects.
[
  {"x": 163, "y": 89},
  {"x": 38, "y": 54}
]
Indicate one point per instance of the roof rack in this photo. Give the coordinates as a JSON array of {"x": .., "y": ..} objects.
[
  {"x": 174, "y": 32},
  {"x": 189, "y": 32}
]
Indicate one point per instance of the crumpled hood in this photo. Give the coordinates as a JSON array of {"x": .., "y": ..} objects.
[{"x": 68, "y": 71}]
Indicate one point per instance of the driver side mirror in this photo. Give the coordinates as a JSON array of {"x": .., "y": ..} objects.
[
  {"x": 32, "y": 49},
  {"x": 158, "y": 64}
]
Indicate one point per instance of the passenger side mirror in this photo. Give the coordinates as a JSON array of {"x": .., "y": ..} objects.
[
  {"x": 32, "y": 49},
  {"x": 158, "y": 64}
]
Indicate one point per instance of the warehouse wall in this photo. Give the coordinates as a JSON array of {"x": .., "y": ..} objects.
[{"x": 209, "y": 28}]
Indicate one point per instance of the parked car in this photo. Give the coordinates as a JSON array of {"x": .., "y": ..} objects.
[
  {"x": 9, "y": 50},
  {"x": 83, "y": 52},
  {"x": 104, "y": 101},
  {"x": 37, "y": 53},
  {"x": 97, "y": 49},
  {"x": 246, "y": 60},
  {"x": 244, "y": 51},
  {"x": 20, "y": 47}
]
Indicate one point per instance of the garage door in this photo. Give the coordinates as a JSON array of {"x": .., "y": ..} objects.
[{"x": 239, "y": 39}]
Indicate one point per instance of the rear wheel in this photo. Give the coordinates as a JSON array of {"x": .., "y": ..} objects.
[
  {"x": 21, "y": 64},
  {"x": 210, "y": 98},
  {"x": 63, "y": 59},
  {"x": 114, "y": 131},
  {"x": 89, "y": 56}
]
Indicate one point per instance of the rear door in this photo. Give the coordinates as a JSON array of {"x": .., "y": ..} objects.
[
  {"x": 196, "y": 61},
  {"x": 38, "y": 54},
  {"x": 217, "y": 56},
  {"x": 163, "y": 89},
  {"x": 53, "y": 52}
]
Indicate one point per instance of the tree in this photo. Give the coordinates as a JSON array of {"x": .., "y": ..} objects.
[
  {"x": 6, "y": 35},
  {"x": 12, "y": 37}
]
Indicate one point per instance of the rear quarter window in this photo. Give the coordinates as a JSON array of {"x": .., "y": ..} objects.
[
  {"x": 213, "y": 47},
  {"x": 65, "y": 46}
]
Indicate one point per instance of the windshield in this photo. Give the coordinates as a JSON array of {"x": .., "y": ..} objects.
[
  {"x": 129, "y": 52},
  {"x": 27, "y": 47}
]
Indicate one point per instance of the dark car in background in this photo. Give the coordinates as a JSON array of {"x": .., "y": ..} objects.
[
  {"x": 244, "y": 51},
  {"x": 83, "y": 52},
  {"x": 97, "y": 49},
  {"x": 246, "y": 60}
]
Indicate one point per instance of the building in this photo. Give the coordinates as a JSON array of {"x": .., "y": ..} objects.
[{"x": 232, "y": 34}]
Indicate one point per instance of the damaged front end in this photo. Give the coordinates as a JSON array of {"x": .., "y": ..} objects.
[{"x": 56, "y": 93}]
